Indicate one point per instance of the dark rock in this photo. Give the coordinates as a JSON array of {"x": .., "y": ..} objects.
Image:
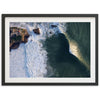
[
  {"x": 50, "y": 32},
  {"x": 14, "y": 35},
  {"x": 15, "y": 45},
  {"x": 53, "y": 26},
  {"x": 17, "y": 36},
  {"x": 37, "y": 31},
  {"x": 26, "y": 38}
]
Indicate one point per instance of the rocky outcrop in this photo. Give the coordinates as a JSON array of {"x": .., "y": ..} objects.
[
  {"x": 17, "y": 36},
  {"x": 53, "y": 26},
  {"x": 36, "y": 31},
  {"x": 15, "y": 45},
  {"x": 26, "y": 38}
]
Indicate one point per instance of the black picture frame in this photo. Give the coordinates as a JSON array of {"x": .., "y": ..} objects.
[{"x": 49, "y": 15}]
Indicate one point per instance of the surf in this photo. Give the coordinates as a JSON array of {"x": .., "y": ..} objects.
[{"x": 35, "y": 56}]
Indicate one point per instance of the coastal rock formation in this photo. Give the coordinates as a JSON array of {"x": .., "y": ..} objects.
[
  {"x": 17, "y": 36},
  {"x": 15, "y": 45},
  {"x": 53, "y": 26},
  {"x": 37, "y": 31}
]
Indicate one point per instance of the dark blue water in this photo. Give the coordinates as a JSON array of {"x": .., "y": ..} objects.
[{"x": 63, "y": 63}]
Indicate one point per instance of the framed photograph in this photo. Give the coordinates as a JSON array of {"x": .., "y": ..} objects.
[{"x": 49, "y": 49}]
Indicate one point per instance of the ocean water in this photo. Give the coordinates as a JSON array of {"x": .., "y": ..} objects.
[{"x": 45, "y": 55}]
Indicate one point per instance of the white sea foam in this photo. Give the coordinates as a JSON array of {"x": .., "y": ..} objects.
[
  {"x": 30, "y": 59},
  {"x": 17, "y": 62}
]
